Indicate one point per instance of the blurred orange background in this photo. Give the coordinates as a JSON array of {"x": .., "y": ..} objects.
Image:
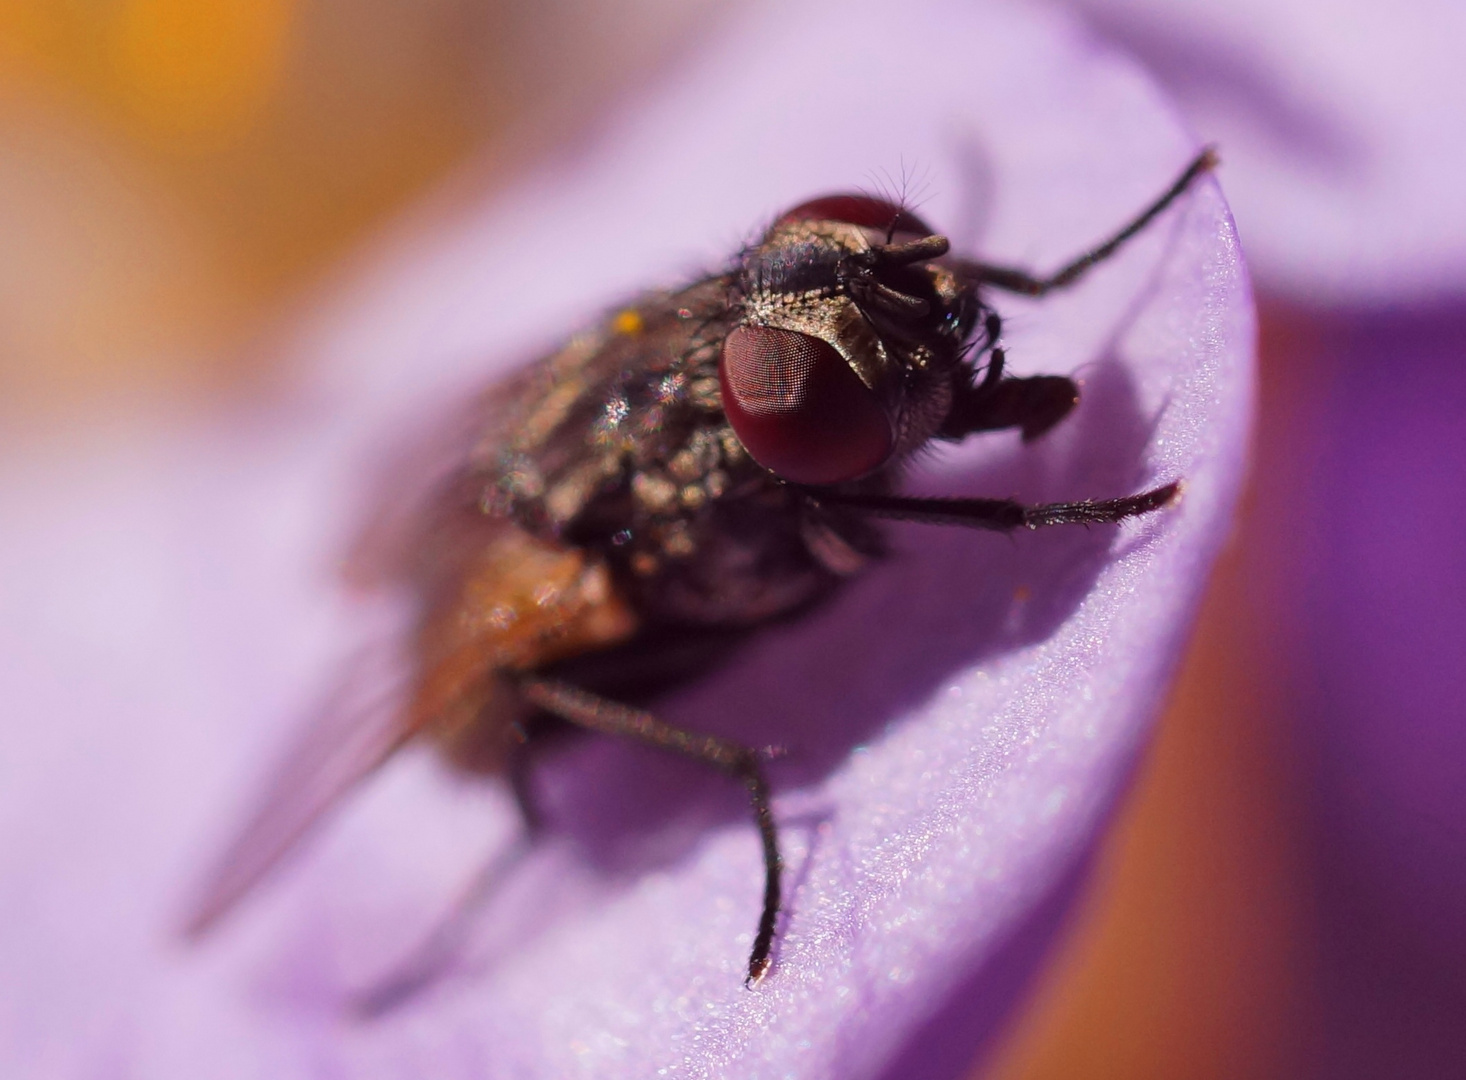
[{"x": 175, "y": 175}]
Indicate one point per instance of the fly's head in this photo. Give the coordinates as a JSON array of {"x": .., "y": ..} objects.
[{"x": 848, "y": 334}]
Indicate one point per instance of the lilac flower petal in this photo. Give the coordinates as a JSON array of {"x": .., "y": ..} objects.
[
  {"x": 1341, "y": 126},
  {"x": 959, "y": 722},
  {"x": 1345, "y": 134}
]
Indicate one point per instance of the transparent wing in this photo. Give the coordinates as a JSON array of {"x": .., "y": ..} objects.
[
  {"x": 420, "y": 529},
  {"x": 359, "y": 725},
  {"x": 427, "y": 532}
]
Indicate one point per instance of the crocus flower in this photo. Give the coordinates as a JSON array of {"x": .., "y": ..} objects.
[{"x": 959, "y": 722}]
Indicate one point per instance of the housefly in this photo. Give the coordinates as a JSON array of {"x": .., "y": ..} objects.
[{"x": 706, "y": 461}]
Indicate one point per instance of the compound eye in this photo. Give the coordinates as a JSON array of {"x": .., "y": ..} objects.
[
  {"x": 799, "y": 409},
  {"x": 865, "y": 211}
]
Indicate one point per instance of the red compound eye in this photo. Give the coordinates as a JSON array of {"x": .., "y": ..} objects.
[
  {"x": 799, "y": 409},
  {"x": 863, "y": 210}
]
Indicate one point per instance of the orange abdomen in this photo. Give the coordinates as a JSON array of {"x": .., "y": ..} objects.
[{"x": 519, "y": 604}]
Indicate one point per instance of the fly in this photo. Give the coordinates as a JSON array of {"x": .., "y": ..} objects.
[{"x": 708, "y": 460}]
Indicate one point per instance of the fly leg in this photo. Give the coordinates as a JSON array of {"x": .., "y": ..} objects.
[
  {"x": 435, "y": 956},
  {"x": 611, "y": 718},
  {"x": 1033, "y": 404},
  {"x": 519, "y": 772},
  {"x": 1037, "y": 403},
  {"x": 1002, "y": 515},
  {"x": 1021, "y": 281}
]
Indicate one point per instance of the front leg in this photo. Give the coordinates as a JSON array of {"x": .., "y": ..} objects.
[
  {"x": 1013, "y": 279},
  {"x": 1034, "y": 404},
  {"x": 1001, "y": 515}
]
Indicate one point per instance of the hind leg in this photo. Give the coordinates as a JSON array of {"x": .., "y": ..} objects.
[{"x": 612, "y": 718}]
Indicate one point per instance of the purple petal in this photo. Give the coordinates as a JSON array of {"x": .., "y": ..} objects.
[
  {"x": 1343, "y": 131},
  {"x": 960, "y": 721},
  {"x": 1341, "y": 128}
]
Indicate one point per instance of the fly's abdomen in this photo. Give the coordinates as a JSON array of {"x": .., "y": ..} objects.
[{"x": 519, "y": 604}]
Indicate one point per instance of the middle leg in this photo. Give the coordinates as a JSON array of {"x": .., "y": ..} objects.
[{"x": 1002, "y": 515}]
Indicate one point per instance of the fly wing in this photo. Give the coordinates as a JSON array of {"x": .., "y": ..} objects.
[
  {"x": 358, "y": 727},
  {"x": 421, "y": 537},
  {"x": 421, "y": 490},
  {"x": 515, "y": 604},
  {"x": 490, "y": 597}
]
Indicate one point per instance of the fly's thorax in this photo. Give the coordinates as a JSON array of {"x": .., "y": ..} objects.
[
  {"x": 626, "y": 450},
  {"x": 629, "y": 397}
]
